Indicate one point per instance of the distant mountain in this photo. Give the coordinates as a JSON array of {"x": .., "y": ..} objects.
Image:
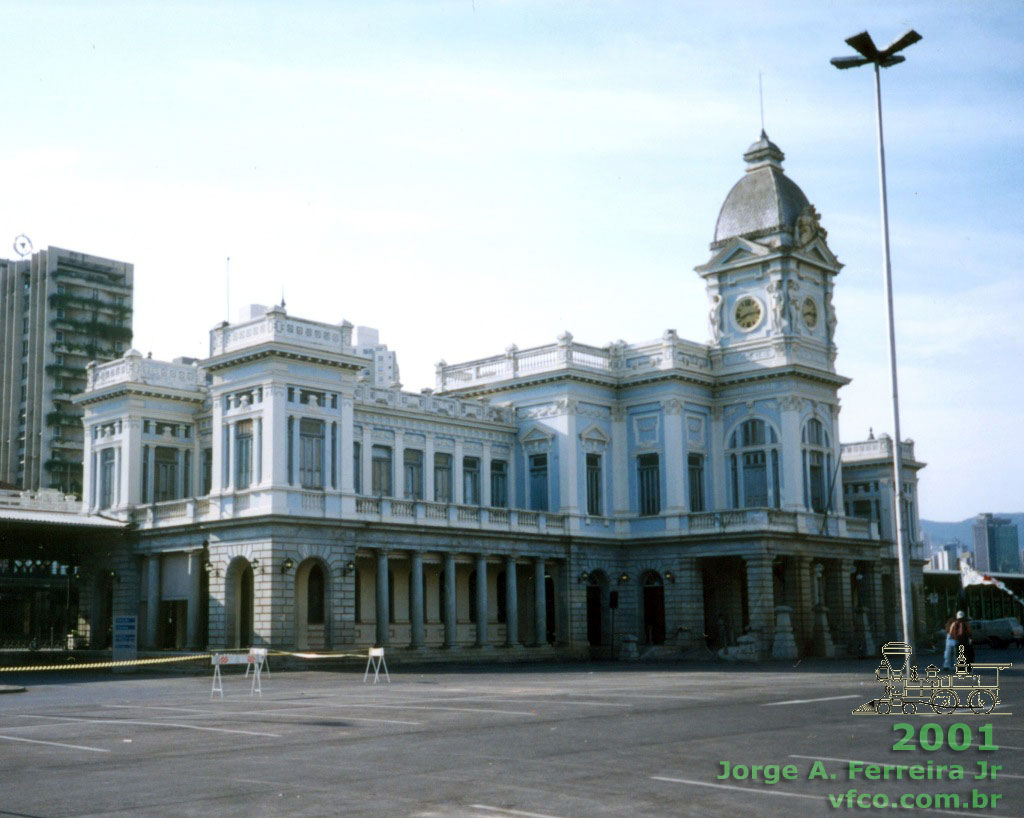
[{"x": 941, "y": 533}]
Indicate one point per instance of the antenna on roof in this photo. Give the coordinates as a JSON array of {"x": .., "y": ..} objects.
[
  {"x": 282, "y": 298},
  {"x": 760, "y": 94}
]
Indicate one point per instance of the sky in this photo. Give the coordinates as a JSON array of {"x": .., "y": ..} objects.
[{"x": 464, "y": 175}]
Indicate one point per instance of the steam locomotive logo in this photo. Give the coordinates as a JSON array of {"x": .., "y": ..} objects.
[{"x": 973, "y": 687}]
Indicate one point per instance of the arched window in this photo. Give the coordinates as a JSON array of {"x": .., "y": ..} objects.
[
  {"x": 753, "y": 460},
  {"x": 315, "y": 596},
  {"x": 817, "y": 465}
]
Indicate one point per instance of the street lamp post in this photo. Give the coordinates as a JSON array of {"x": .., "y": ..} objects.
[{"x": 885, "y": 58}]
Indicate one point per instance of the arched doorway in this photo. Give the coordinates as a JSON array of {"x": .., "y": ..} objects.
[
  {"x": 312, "y": 618},
  {"x": 654, "y": 608},
  {"x": 238, "y": 599},
  {"x": 597, "y": 596}
]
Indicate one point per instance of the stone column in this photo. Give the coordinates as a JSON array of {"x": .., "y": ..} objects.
[
  {"x": 620, "y": 468},
  {"x": 195, "y": 598},
  {"x": 792, "y": 466},
  {"x": 428, "y": 468},
  {"x": 457, "y": 493},
  {"x": 569, "y": 453},
  {"x": 271, "y": 452},
  {"x": 873, "y": 581},
  {"x": 346, "y": 473},
  {"x": 153, "y": 601},
  {"x": 227, "y": 473},
  {"x": 674, "y": 455},
  {"x": 481, "y": 601},
  {"x": 416, "y": 614},
  {"x": 511, "y": 604},
  {"x": 366, "y": 455},
  {"x": 383, "y": 623},
  {"x": 450, "y": 630},
  {"x": 151, "y": 476},
  {"x": 296, "y": 450},
  {"x": 845, "y": 612},
  {"x": 717, "y": 474},
  {"x": 760, "y": 599},
  {"x": 398, "y": 467},
  {"x": 540, "y": 604},
  {"x": 485, "y": 476},
  {"x": 179, "y": 473}
]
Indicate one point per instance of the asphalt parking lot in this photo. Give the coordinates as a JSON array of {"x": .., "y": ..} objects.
[{"x": 570, "y": 741}]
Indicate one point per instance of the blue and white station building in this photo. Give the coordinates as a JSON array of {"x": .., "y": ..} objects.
[{"x": 563, "y": 499}]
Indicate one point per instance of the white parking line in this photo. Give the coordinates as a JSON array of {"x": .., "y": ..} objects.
[
  {"x": 436, "y": 707},
  {"x": 276, "y": 711},
  {"x": 55, "y": 744},
  {"x": 155, "y": 724},
  {"x": 506, "y": 811},
  {"x": 805, "y": 701},
  {"x": 748, "y": 790}
]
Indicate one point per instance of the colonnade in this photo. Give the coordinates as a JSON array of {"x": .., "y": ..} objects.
[{"x": 448, "y": 593}]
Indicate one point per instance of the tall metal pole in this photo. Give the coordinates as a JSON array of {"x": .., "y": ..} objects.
[{"x": 902, "y": 554}]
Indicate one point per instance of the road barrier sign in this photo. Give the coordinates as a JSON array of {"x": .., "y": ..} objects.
[
  {"x": 375, "y": 660},
  {"x": 253, "y": 659}
]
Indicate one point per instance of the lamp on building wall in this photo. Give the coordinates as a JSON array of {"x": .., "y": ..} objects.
[
  {"x": 348, "y": 568},
  {"x": 670, "y": 577},
  {"x": 255, "y": 564},
  {"x": 209, "y": 567},
  {"x": 287, "y": 565},
  {"x": 113, "y": 576},
  {"x": 584, "y": 576},
  {"x": 623, "y": 578}
]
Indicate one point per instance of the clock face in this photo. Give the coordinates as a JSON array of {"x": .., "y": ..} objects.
[
  {"x": 809, "y": 311},
  {"x": 748, "y": 312}
]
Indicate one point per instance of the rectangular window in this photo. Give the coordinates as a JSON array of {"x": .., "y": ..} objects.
[
  {"x": 649, "y": 480},
  {"x": 816, "y": 478},
  {"x": 755, "y": 479},
  {"x": 165, "y": 480},
  {"x": 442, "y": 478},
  {"x": 471, "y": 481},
  {"x": 499, "y": 483},
  {"x": 594, "y": 484},
  {"x": 357, "y": 467},
  {"x": 311, "y": 453},
  {"x": 539, "y": 482},
  {"x": 413, "y": 462},
  {"x": 106, "y": 478},
  {"x": 243, "y": 454},
  {"x": 695, "y": 465},
  {"x": 207, "y": 470},
  {"x": 381, "y": 471}
]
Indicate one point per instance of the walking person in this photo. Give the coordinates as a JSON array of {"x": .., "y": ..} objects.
[{"x": 958, "y": 632}]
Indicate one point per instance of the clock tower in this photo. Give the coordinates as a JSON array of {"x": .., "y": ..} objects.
[{"x": 770, "y": 277}]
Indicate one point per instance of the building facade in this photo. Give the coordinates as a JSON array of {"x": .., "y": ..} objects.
[
  {"x": 60, "y": 310},
  {"x": 680, "y": 494},
  {"x": 996, "y": 544}
]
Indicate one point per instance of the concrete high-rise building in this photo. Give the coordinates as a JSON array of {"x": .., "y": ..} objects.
[
  {"x": 996, "y": 546},
  {"x": 58, "y": 311}
]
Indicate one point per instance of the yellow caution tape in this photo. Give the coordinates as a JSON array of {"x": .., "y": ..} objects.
[
  {"x": 163, "y": 660},
  {"x": 120, "y": 663}
]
